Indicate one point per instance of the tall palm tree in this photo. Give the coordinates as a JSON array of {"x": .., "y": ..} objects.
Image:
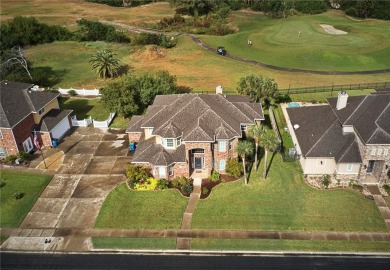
[
  {"x": 243, "y": 149},
  {"x": 256, "y": 132},
  {"x": 105, "y": 63},
  {"x": 268, "y": 141}
]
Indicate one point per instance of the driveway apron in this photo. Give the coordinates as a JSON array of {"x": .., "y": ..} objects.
[{"x": 94, "y": 164}]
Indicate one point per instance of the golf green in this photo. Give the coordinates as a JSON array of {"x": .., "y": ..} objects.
[{"x": 300, "y": 42}]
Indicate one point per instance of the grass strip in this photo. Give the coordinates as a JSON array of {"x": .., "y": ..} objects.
[{"x": 133, "y": 243}]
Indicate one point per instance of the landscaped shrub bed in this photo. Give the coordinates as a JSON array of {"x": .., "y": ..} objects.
[{"x": 208, "y": 184}]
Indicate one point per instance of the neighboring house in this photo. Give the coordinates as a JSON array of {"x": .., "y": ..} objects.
[
  {"x": 191, "y": 134},
  {"x": 348, "y": 137},
  {"x": 24, "y": 110}
]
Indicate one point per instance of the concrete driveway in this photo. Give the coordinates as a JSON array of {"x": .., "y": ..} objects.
[{"x": 93, "y": 165}]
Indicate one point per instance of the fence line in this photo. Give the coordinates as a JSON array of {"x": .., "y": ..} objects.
[
  {"x": 80, "y": 92},
  {"x": 105, "y": 123},
  {"x": 331, "y": 88},
  {"x": 81, "y": 123}
]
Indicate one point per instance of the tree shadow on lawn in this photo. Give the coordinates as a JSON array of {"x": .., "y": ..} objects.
[
  {"x": 46, "y": 76},
  {"x": 80, "y": 107},
  {"x": 270, "y": 162},
  {"x": 123, "y": 70}
]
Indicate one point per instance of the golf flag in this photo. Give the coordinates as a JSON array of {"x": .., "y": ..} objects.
[{"x": 36, "y": 142}]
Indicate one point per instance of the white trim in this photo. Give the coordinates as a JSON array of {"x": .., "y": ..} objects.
[
  {"x": 321, "y": 163},
  {"x": 379, "y": 151},
  {"x": 349, "y": 167},
  {"x": 219, "y": 165},
  {"x": 28, "y": 146},
  {"x": 373, "y": 152},
  {"x": 385, "y": 152},
  {"x": 219, "y": 146}
]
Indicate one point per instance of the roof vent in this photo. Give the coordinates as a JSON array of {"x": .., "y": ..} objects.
[
  {"x": 219, "y": 89},
  {"x": 296, "y": 126},
  {"x": 342, "y": 100}
]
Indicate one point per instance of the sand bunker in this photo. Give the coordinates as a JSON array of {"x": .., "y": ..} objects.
[{"x": 331, "y": 30}]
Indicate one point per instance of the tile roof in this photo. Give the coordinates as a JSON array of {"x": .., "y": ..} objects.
[
  {"x": 18, "y": 101},
  {"x": 199, "y": 116},
  {"x": 148, "y": 151},
  {"x": 196, "y": 117}
]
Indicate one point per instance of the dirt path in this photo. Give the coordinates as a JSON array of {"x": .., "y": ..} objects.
[{"x": 248, "y": 61}]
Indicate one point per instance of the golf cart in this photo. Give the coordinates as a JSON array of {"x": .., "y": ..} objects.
[{"x": 221, "y": 50}]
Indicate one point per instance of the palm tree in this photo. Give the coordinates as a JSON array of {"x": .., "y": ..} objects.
[
  {"x": 268, "y": 141},
  {"x": 105, "y": 63},
  {"x": 243, "y": 149},
  {"x": 256, "y": 132}
]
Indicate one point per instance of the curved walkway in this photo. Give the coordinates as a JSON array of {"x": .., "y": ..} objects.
[{"x": 248, "y": 61}]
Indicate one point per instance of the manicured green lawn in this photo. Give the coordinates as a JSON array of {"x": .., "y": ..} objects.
[
  {"x": 277, "y": 42},
  {"x": 288, "y": 245},
  {"x": 12, "y": 211},
  {"x": 134, "y": 243},
  {"x": 127, "y": 209},
  {"x": 285, "y": 202},
  {"x": 85, "y": 107}
]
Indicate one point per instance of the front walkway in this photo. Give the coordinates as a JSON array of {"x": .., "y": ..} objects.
[
  {"x": 185, "y": 243},
  {"x": 380, "y": 203}
]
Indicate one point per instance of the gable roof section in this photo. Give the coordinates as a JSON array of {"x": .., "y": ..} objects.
[
  {"x": 52, "y": 118},
  {"x": 198, "y": 116},
  {"x": 18, "y": 101},
  {"x": 345, "y": 113},
  {"x": 135, "y": 124}
]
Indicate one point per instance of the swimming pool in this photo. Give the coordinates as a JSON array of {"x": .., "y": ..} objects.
[{"x": 293, "y": 105}]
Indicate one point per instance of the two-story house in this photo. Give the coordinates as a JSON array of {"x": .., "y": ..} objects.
[
  {"x": 26, "y": 111},
  {"x": 348, "y": 137},
  {"x": 191, "y": 134}
]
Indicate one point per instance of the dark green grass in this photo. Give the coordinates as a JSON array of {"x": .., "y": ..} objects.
[
  {"x": 85, "y": 107},
  {"x": 127, "y": 209},
  {"x": 289, "y": 245},
  {"x": 284, "y": 201},
  {"x": 3, "y": 238},
  {"x": 133, "y": 243},
  {"x": 12, "y": 211},
  {"x": 277, "y": 42}
]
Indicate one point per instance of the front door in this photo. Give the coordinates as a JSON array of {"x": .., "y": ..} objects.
[
  {"x": 370, "y": 166},
  {"x": 198, "y": 162}
]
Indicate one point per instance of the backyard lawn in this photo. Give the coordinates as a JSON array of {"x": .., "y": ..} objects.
[
  {"x": 13, "y": 211},
  {"x": 86, "y": 107},
  {"x": 127, "y": 209},
  {"x": 285, "y": 202}
]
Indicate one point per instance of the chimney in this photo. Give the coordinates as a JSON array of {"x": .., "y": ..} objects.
[
  {"x": 342, "y": 100},
  {"x": 219, "y": 89}
]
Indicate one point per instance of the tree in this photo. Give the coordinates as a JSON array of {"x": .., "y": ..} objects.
[
  {"x": 268, "y": 141},
  {"x": 105, "y": 64},
  {"x": 258, "y": 88},
  {"x": 133, "y": 94},
  {"x": 256, "y": 132},
  {"x": 15, "y": 57},
  {"x": 243, "y": 149}
]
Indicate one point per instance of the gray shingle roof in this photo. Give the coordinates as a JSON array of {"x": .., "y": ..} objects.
[
  {"x": 51, "y": 119},
  {"x": 135, "y": 124},
  {"x": 320, "y": 134},
  {"x": 18, "y": 101}
]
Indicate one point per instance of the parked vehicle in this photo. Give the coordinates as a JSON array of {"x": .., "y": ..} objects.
[{"x": 221, "y": 50}]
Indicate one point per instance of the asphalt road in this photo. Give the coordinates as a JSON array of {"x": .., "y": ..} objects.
[{"x": 127, "y": 261}]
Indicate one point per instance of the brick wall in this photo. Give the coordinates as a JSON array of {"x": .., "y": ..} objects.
[
  {"x": 134, "y": 137},
  {"x": 8, "y": 142},
  {"x": 181, "y": 169},
  {"x": 208, "y": 154},
  {"x": 229, "y": 153},
  {"x": 23, "y": 130},
  {"x": 44, "y": 138}
]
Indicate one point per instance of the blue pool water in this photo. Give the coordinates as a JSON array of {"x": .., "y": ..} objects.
[{"x": 293, "y": 105}]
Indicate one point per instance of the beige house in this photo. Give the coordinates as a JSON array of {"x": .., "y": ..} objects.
[
  {"x": 191, "y": 134},
  {"x": 349, "y": 137}
]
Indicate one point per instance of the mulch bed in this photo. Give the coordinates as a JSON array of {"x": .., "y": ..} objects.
[{"x": 206, "y": 183}]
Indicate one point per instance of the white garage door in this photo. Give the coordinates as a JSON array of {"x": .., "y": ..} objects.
[{"x": 60, "y": 129}]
